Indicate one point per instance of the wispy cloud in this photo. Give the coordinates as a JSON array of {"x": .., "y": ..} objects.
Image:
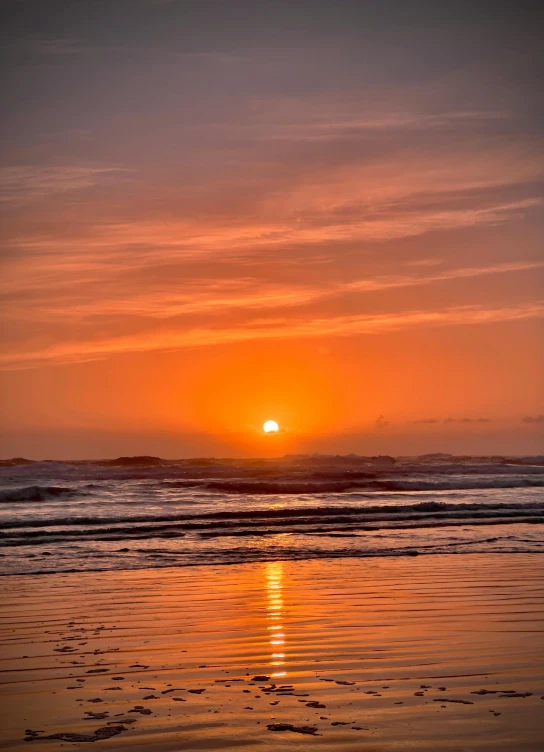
[
  {"x": 326, "y": 129},
  {"x": 20, "y": 183},
  {"x": 164, "y": 299},
  {"x": 58, "y": 46},
  {"x": 162, "y": 339},
  {"x": 450, "y": 421},
  {"x": 385, "y": 283}
]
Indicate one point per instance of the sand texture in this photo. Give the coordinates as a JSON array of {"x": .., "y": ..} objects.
[{"x": 423, "y": 653}]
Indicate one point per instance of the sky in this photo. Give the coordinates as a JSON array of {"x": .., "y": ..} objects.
[{"x": 218, "y": 212}]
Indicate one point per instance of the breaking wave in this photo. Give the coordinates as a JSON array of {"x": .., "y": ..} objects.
[
  {"x": 240, "y": 487},
  {"x": 319, "y": 519},
  {"x": 38, "y": 493},
  {"x": 303, "y": 487}
]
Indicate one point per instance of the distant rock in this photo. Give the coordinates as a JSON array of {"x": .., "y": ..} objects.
[
  {"x": 15, "y": 461},
  {"x": 138, "y": 461},
  {"x": 340, "y": 459},
  {"x": 434, "y": 456}
]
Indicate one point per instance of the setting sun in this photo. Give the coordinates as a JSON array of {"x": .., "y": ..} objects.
[{"x": 271, "y": 427}]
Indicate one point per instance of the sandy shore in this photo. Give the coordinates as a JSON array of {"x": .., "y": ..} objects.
[{"x": 427, "y": 653}]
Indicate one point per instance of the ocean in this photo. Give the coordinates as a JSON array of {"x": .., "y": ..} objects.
[{"x": 140, "y": 512}]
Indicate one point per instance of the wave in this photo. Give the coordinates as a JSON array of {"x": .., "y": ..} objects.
[
  {"x": 260, "y": 522},
  {"x": 268, "y": 487},
  {"x": 460, "y": 484},
  {"x": 38, "y": 493},
  {"x": 304, "y": 512},
  {"x": 363, "y": 483},
  {"x": 352, "y": 484},
  {"x": 290, "y": 469},
  {"x": 333, "y": 528}
]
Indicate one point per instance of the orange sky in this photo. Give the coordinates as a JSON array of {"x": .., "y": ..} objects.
[{"x": 331, "y": 219}]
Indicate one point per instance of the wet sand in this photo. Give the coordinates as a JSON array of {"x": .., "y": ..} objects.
[{"x": 411, "y": 653}]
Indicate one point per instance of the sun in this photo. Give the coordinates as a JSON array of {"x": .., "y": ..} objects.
[{"x": 271, "y": 427}]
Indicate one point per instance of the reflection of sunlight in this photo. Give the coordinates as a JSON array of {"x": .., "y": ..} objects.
[{"x": 274, "y": 591}]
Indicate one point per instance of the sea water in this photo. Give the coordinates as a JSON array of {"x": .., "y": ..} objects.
[{"x": 141, "y": 512}]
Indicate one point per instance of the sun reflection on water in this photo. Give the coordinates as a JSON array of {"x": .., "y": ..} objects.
[{"x": 275, "y": 608}]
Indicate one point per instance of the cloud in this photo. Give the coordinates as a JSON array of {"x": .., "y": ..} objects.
[
  {"x": 59, "y": 46},
  {"x": 322, "y": 129},
  {"x": 197, "y": 253},
  {"x": 385, "y": 283},
  {"x": 428, "y": 261},
  {"x": 20, "y": 183},
  {"x": 164, "y": 298},
  {"x": 175, "y": 339},
  {"x": 186, "y": 239},
  {"x": 533, "y": 419},
  {"x": 449, "y": 421}
]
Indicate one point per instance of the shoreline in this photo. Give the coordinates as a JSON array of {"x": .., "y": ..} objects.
[{"x": 306, "y": 557}]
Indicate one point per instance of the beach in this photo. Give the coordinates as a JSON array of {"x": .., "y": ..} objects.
[{"x": 387, "y": 653}]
